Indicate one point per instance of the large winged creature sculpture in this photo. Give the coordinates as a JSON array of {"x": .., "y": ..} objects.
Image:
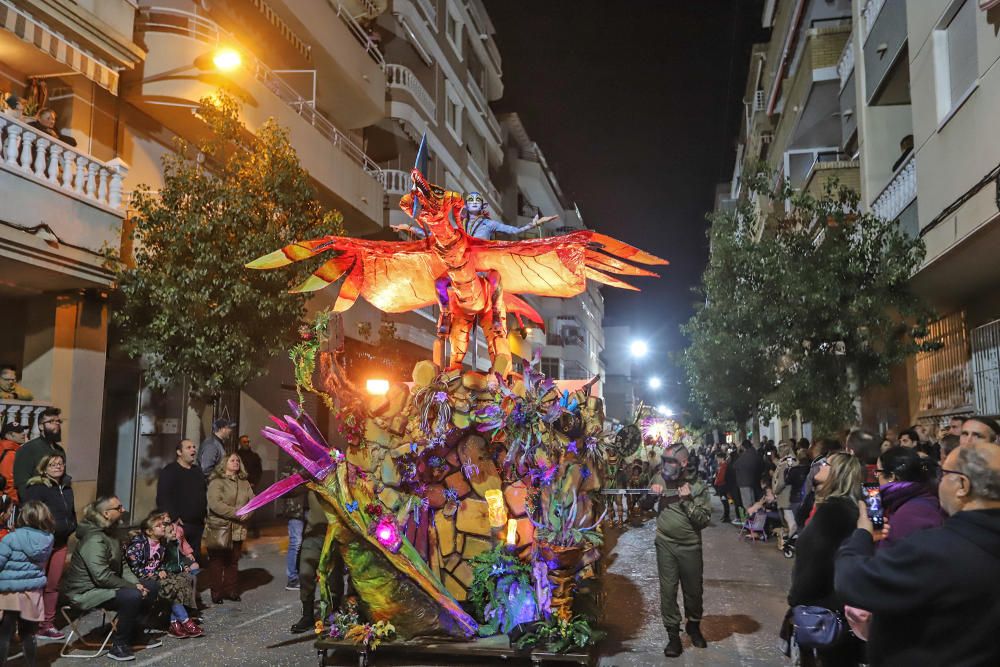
[{"x": 486, "y": 277}]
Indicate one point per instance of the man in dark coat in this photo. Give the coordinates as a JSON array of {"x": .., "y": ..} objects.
[
  {"x": 251, "y": 462},
  {"x": 935, "y": 596},
  {"x": 181, "y": 492},
  {"x": 33, "y": 451},
  {"x": 748, "y": 468}
]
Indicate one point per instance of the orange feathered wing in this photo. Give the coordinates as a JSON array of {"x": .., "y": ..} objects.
[{"x": 398, "y": 276}]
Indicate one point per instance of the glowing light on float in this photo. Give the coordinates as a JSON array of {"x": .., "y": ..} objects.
[
  {"x": 387, "y": 534},
  {"x": 377, "y": 387},
  {"x": 497, "y": 508},
  {"x": 511, "y": 532}
]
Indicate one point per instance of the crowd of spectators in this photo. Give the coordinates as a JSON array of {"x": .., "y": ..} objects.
[{"x": 921, "y": 589}]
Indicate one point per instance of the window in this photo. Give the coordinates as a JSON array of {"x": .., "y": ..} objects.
[
  {"x": 956, "y": 63},
  {"x": 452, "y": 111},
  {"x": 550, "y": 367},
  {"x": 453, "y": 29}
]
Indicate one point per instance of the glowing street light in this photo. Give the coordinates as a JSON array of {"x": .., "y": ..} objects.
[
  {"x": 227, "y": 59},
  {"x": 655, "y": 382},
  {"x": 639, "y": 349}
]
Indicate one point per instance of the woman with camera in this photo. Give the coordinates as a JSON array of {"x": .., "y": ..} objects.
[
  {"x": 838, "y": 481},
  {"x": 909, "y": 493}
]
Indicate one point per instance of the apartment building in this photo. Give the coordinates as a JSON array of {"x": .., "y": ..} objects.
[
  {"x": 355, "y": 82},
  {"x": 912, "y": 91}
]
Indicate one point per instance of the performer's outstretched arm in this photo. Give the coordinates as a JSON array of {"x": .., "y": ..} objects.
[
  {"x": 510, "y": 229},
  {"x": 408, "y": 229}
]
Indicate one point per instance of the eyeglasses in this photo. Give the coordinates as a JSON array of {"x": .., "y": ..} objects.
[
  {"x": 945, "y": 471},
  {"x": 117, "y": 508},
  {"x": 52, "y": 421}
]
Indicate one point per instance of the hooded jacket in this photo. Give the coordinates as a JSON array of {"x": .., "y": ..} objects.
[
  {"x": 934, "y": 597},
  {"x": 23, "y": 555},
  {"x": 909, "y": 507},
  {"x": 58, "y": 497},
  {"x": 94, "y": 573}
]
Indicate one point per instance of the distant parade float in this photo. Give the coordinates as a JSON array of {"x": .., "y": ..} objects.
[{"x": 464, "y": 504}]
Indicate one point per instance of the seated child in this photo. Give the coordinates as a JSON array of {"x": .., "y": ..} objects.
[{"x": 150, "y": 555}]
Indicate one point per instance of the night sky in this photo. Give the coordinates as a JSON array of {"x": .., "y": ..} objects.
[{"x": 636, "y": 107}]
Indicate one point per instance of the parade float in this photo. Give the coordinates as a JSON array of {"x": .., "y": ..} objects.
[{"x": 464, "y": 504}]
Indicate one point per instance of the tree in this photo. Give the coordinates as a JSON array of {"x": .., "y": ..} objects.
[
  {"x": 189, "y": 306},
  {"x": 816, "y": 303},
  {"x": 730, "y": 360}
]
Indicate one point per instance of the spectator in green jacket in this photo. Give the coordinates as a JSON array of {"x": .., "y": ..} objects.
[{"x": 95, "y": 578}]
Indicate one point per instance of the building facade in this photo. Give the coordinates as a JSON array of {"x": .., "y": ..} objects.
[
  {"x": 355, "y": 82},
  {"x": 895, "y": 98}
]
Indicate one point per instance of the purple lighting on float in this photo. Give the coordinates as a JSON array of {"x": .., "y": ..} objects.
[{"x": 387, "y": 534}]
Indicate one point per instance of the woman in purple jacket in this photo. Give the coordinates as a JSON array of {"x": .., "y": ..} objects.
[{"x": 909, "y": 494}]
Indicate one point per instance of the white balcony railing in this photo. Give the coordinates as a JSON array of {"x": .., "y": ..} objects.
[
  {"x": 24, "y": 413},
  {"x": 845, "y": 66},
  {"x": 896, "y": 196},
  {"x": 427, "y": 7},
  {"x": 397, "y": 181},
  {"x": 403, "y": 78},
  {"x": 58, "y": 165},
  {"x": 360, "y": 34},
  {"x": 175, "y": 21},
  {"x": 869, "y": 13}
]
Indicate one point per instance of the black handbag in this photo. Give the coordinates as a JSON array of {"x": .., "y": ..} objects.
[{"x": 818, "y": 627}]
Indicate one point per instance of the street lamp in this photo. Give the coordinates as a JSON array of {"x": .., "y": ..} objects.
[
  {"x": 639, "y": 349},
  {"x": 227, "y": 59},
  {"x": 655, "y": 382}
]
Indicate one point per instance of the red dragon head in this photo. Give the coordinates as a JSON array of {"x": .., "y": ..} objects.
[{"x": 430, "y": 196}]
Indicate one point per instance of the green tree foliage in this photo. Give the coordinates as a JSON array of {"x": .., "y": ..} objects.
[
  {"x": 804, "y": 308},
  {"x": 190, "y": 308}
]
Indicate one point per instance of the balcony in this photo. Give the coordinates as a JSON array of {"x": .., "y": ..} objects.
[
  {"x": 887, "y": 72},
  {"x": 812, "y": 103},
  {"x": 845, "y": 66},
  {"x": 177, "y": 40},
  {"x": 397, "y": 181},
  {"x": 24, "y": 413},
  {"x": 63, "y": 208},
  {"x": 479, "y": 97},
  {"x": 869, "y": 14},
  {"x": 846, "y": 172},
  {"x": 899, "y": 193},
  {"x": 402, "y": 78},
  {"x": 345, "y": 58}
]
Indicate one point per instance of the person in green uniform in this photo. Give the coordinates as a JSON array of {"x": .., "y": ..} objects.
[{"x": 685, "y": 509}]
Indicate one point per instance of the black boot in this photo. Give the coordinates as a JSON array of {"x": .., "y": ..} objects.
[
  {"x": 307, "y": 622},
  {"x": 693, "y": 630},
  {"x": 673, "y": 648}
]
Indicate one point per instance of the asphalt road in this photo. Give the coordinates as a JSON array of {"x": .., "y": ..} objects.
[{"x": 745, "y": 586}]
